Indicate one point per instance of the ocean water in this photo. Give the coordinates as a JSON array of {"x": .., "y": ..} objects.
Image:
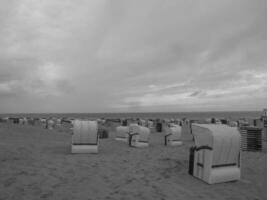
[{"x": 153, "y": 115}]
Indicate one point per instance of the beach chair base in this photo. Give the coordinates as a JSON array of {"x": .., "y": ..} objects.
[
  {"x": 175, "y": 143},
  {"x": 121, "y": 139},
  {"x": 84, "y": 148},
  {"x": 140, "y": 144},
  {"x": 224, "y": 174},
  {"x": 209, "y": 173},
  {"x": 220, "y": 175}
]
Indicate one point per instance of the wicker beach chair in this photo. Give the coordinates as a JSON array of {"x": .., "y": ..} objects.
[
  {"x": 85, "y": 137},
  {"x": 215, "y": 158}
]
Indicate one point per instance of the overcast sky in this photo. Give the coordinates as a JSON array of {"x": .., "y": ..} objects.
[{"x": 132, "y": 56}]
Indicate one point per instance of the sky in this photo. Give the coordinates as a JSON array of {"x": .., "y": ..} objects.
[{"x": 132, "y": 56}]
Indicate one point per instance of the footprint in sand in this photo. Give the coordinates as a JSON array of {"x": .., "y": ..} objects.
[
  {"x": 128, "y": 181},
  {"x": 46, "y": 195},
  {"x": 23, "y": 173},
  {"x": 106, "y": 178},
  {"x": 70, "y": 172},
  {"x": 9, "y": 182}
]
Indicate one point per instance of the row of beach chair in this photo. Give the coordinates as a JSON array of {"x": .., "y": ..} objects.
[
  {"x": 214, "y": 158},
  {"x": 138, "y": 136}
]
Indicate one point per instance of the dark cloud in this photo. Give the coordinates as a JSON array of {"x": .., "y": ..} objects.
[{"x": 196, "y": 93}]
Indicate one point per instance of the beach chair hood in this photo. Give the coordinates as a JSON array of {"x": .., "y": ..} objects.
[
  {"x": 139, "y": 136},
  {"x": 122, "y": 133},
  {"x": 84, "y": 132},
  {"x": 173, "y": 135}
]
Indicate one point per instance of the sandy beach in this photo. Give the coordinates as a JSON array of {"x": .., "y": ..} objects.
[{"x": 36, "y": 163}]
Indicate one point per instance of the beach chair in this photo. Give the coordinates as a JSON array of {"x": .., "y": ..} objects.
[
  {"x": 85, "y": 137},
  {"x": 21, "y": 121},
  {"x": 215, "y": 158},
  {"x": 142, "y": 122},
  {"x": 138, "y": 136},
  {"x": 159, "y": 126},
  {"x": 58, "y": 122},
  {"x": 150, "y": 124},
  {"x": 173, "y": 135},
  {"x": 122, "y": 133},
  {"x": 50, "y": 124}
]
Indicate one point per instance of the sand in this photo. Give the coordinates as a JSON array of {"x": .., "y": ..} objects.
[{"x": 37, "y": 164}]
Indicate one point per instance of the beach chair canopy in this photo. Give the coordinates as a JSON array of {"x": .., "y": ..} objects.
[
  {"x": 223, "y": 140},
  {"x": 174, "y": 132},
  {"x": 133, "y": 128},
  {"x": 143, "y": 132},
  {"x": 84, "y": 132}
]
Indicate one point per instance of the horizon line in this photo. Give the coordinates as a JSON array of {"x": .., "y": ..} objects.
[{"x": 129, "y": 112}]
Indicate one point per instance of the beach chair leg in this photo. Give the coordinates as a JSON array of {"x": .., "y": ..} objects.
[{"x": 165, "y": 142}]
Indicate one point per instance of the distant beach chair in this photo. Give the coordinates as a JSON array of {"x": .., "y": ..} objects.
[
  {"x": 58, "y": 122},
  {"x": 50, "y": 124},
  {"x": 25, "y": 121},
  {"x": 14, "y": 120},
  {"x": 233, "y": 124},
  {"x": 21, "y": 121},
  {"x": 159, "y": 125},
  {"x": 215, "y": 158},
  {"x": 138, "y": 136},
  {"x": 122, "y": 133},
  {"x": 142, "y": 122},
  {"x": 150, "y": 124},
  {"x": 173, "y": 135},
  {"x": 124, "y": 122},
  {"x": 85, "y": 137}
]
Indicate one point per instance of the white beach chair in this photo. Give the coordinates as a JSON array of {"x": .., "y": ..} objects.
[
  {"x": 216, "y": 155},
  {"x": 58, "y": 122},
  {"x": 150, "y": 124},
  {"x": 139, "y": 136},
  {"x": 233, "y": 124},
  {"x": 85, "y": 137},
  {"x": 122, "y": 133},
  {"x": 173, "y": 135},
  {"x": 50, "y": 124},
  {"x": 142, "y": 122},
  {"x": 21, "y": 121}
]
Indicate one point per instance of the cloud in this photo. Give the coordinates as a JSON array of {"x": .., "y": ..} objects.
[
  {"x": 249, "y": 85},
  {"x": 108, "y": 56},
  {"x": 40, "y": 81},
  {"x": 196, "y": 93}
]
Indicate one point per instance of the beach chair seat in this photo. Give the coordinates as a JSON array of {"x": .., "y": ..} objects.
[
  {"x": 85, "y": 137},
  {"x": 122, "y": 133},
  {"x": 173, "y": 135},
  {"x": 215, "y": 158},
  {"x": 138, "y": 136}
]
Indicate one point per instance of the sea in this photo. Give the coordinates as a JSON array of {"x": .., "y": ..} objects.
[{"x": 231, "y": 115}]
